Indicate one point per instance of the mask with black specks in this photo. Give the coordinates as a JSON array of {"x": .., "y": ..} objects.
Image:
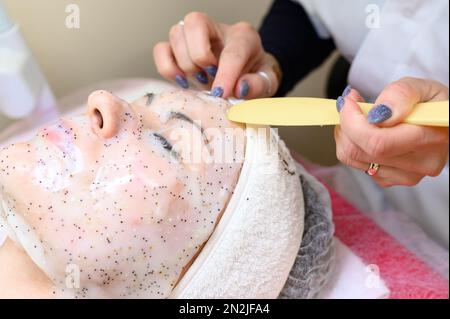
[{"x": 120, "y": 194}]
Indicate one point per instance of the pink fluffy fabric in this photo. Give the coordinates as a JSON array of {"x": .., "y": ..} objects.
[{"x": 406, "y": 276}]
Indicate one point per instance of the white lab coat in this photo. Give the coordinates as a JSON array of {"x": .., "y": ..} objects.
[{"x": 386, "y": 40}]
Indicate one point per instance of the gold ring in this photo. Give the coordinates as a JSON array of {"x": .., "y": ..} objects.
[{"x": 373, "y": 169}]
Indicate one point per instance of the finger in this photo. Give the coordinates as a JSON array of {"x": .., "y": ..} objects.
[
  {"x": 397, "y": 100},
  {"x": 254, "y": 85},
  {"x": 387, "y": 176},
  {"x": 348, "y": 152},
  {"x": 354, "y": 95},
  {"x": 429, "y": 161},
  {"x": 415, "y": 162},
  {"x": 386, "y": 142},
  {"x": 179, "y": 47},
  {"x": 165, "y": 61},
  {"x": 240, "y": 46},
  {"x": 395, "y": 177},
  {"x": 348, "y": 93},
  {"x": 200, "y": 32}
]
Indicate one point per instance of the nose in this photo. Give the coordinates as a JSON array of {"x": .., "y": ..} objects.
[{"x": 104, "y": 111}]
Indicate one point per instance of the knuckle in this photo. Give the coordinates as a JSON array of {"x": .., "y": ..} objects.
[
  {"x": 412, "y": 181},
  {"x": 244, "y": 27},
  {"x": 200, "y": 56},
  {"x": 435, "y": 170},
  {"x": 195, "y": 17},
  {"x": 187, "y": 67},
  {"x": 402, "y": 88},
  {"x": 164, "y": 70},
  {"x": 421, "y": 135},
  {"x": 235, "y": 53},
  {"x": 174, "y": 31},
  {"x": 354, "y": 152},
  {"x": 376, "y": 147},
  {"x": 342, "y": 156}
]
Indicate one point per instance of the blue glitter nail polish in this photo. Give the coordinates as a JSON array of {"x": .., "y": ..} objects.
[
  {"x": 347, "y": 91},
  {"x": 202, "y": 77},
  {"x": 244, "y": 89},
  {"x": 217, "y": 91},
  {"x": 379, "y": 113},
  {"x": 211, "y": 70},
  {"x": 340, "y": 104},
  {"x": 181, "y": 80}
]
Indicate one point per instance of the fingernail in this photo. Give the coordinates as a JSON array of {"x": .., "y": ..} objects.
[
  {"x": 217, "y": 91},
  {"x": 181, "y": 80},
  {"x": 244, "y": 89},
  {"x": 202, "y": 77},
  {"x": 340, "y": 104},
  {"x": 379, "y": 113},
  {"x": 347, "y": 91},
  {"x": 211, "y": 70}
]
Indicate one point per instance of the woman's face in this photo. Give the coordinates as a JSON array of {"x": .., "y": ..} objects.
[{"x": 127, "y": 193}]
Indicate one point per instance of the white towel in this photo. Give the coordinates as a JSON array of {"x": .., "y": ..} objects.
[
  {"x": 352, "y": 279},
  {"x": 254, "y": 246}
]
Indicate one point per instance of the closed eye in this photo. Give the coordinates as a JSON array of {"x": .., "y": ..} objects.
[
  {"x": 166, "y": 145},
  {"x": 164, "y": 142}
]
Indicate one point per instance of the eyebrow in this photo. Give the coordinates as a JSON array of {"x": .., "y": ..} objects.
[{"x": 184, "y": 117}]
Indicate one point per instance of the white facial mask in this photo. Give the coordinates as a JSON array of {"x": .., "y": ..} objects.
[{"x": 115, "y": 217}]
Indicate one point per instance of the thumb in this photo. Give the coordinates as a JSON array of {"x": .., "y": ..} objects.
[{"x": 396, "y": 102}]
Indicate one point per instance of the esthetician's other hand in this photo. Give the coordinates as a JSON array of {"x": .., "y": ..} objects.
[
  {"x": 406, "y": 153},
  {"x": 225, "y": 58}
]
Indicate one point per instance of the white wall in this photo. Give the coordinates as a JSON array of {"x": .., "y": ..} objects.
[{"x": 116, "y": 40}]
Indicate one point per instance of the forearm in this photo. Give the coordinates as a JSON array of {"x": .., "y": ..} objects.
[{"x": 288, "y": 34}]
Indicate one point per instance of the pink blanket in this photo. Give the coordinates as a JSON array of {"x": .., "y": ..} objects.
[{"x": 404, "y": 274}]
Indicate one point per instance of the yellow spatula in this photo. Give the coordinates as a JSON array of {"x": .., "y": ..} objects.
[{"x": 297, "y": 111}]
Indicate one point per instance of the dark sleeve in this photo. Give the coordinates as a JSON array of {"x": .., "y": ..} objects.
[{"x": 288, "y": 34}]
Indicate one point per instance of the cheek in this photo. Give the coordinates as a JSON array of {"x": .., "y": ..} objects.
[
  {"x": 142, "y": 192},
  {"x": 20, "y": 184}
]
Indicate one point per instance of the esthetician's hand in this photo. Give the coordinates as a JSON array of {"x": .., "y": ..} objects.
[
  {"x": 225, "y": 58},
  {"x": 406, "y": 153}
]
